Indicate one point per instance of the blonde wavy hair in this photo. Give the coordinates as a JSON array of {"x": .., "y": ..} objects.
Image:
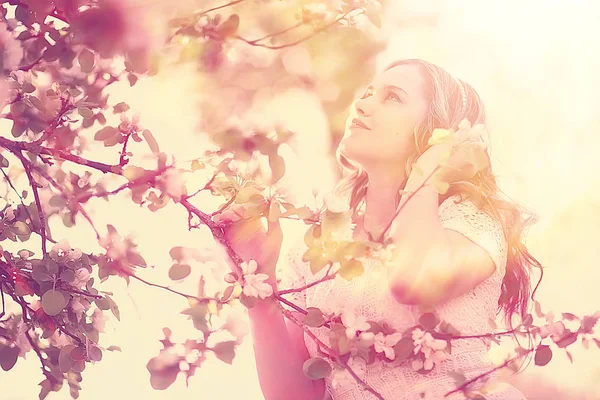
[{"x": 446, "y": 111}]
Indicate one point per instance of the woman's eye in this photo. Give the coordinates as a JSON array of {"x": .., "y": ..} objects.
[{"x": 394, "y": 96}]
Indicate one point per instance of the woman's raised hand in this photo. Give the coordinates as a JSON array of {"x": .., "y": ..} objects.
[
  {"x": 460, "y": 154},
  {"x": 252, "y": 238}
]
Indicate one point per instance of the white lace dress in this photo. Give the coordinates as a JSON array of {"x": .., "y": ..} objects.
[{"x": 368, "y": 295}]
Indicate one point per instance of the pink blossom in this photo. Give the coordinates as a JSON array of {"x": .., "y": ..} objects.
[
  {"x": 116, "y": 247},
  {"x": 59, "y": 339},
  {"x": 78, "y": 307},
  {"x": 555, "y": 330},
  {"x": 62, "y": 249},
  {"x": 11, "y": 51},
  {"x": 21, "y": 340},
  {"x": 98, "y": 320},
  {"x": 82, "y": 276}
]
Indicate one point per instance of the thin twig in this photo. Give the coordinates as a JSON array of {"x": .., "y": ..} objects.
[
  {"x": 187, "y": 296},
  {"x": 38, "y": 203},
  {"x": 321, "y": 29},
  {"x": 19, "y": 195}
]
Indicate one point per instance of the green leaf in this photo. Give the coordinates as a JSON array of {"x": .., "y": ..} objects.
[
  {"x": 18, "y": 128},
  {"x": 404, "y": 348},
  {"x": 132, "y": 78},
  {"x": 8, "y": 356},
  {"x": 316, "y": 368},
  {"x": 179, "y": 271},
  {"x": 64, "y": 361},
  {"x": 67, "y": 276},
  {"x": 106, "y": 133},
  {"x": 151, "y": 142},
  {"x": 53, "y": 302},
  {"x": 20, "y": 228},
  {"x": 114, "y": 308},
  {"x": 543, "y": 355},
  {"x": 28, "y": 87},
  {"x": 85, "y": 112},
  {"x": 569, "y": 316},
  {"x": 247, "y": 301},
  {"x": 227, "y": 293},
  {"x": 86, "y": 60},
  {"x": 3, "y": 161},
  {"x": 277, "y": 165},
  {"x": 94, "y": 353},
  {"x": 351, "y": 269},
  {"x": 245, "y": 194},
  {"x": 37, "y": 103},
  {"x": 102, "y": 303},
  {"x": 196, "y": 165},
  {"x": 230, "y": 26},
  {"x": 121, "y": 107},
  {"x": 225, "y": 351},
  {"x": 458, "y": 376},
  {"x": 429, "y": 321},
  {"x": 317, "y": 264},
  {"x": 314, "y": 318},
  {"x": 161, "y": 377},
  {"x": 538, "y": 309},
  {"x": 568, "y": 339},
  {"x": 40, "y": 273}
]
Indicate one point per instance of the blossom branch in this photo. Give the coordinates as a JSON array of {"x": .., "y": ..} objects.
[
  {"x": 331, "y": 354},
  {"x": 480, "y": 376},
  {"x": 294, "y": 43},
  {"x": 70, "y": 198},
  {"x": 15, "y": 146},
  {"x": 65, "y": 107}
]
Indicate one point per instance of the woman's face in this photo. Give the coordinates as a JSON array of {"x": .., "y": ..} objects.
[{"x": 390, "y": 108}]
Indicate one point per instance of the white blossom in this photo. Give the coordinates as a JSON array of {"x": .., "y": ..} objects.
[
  {"x": 385, "y": 344},
  {"x": 354, "y": 323},
  {"x": 254, "y": 284},
  {"x": 431, "y": 348},
  {"x": 63, "y": 249}
]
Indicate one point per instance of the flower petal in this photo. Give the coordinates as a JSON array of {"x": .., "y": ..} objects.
[{"x": 417, "y": 364}]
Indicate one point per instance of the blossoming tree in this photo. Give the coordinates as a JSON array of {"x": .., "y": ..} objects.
[{"x": 58, "y": 58}]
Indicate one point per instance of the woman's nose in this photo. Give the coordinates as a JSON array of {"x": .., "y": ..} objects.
[{"x": 362, "y": 107}]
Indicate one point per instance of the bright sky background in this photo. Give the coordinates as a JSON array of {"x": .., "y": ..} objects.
[{"x": 535, "y": 65}]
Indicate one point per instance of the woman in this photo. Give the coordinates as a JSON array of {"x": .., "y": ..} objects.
[{"x": 461, "y": 255}]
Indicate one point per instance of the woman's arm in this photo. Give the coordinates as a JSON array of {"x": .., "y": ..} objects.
[
  {"x": 280, "y": 354},
  {"x": 432, "y": 264}
]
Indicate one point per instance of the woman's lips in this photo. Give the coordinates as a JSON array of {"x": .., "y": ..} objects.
[{"x": 356, "y": 123}]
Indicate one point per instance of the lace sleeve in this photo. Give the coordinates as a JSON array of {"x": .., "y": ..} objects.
[
  {"x": 291, "y": 274},
  {"x": 476, "y": 225}
]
